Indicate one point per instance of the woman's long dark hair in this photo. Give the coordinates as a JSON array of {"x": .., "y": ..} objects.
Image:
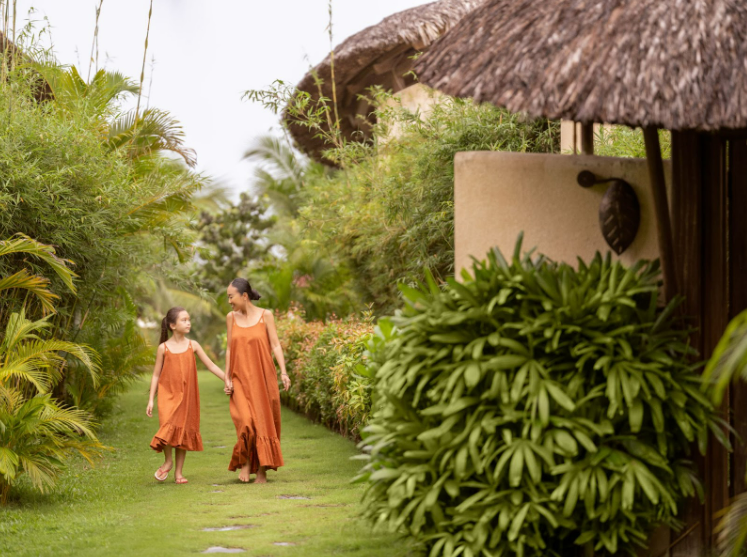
[
  {"x": 243, "y": 286},
  {"x": 171, "y": 316}
]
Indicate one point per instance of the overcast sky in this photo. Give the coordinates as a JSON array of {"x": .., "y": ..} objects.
[{"x": 207, "y": 53}]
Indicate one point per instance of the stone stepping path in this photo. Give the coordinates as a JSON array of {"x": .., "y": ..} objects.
[{"x": 230, "y": 528}]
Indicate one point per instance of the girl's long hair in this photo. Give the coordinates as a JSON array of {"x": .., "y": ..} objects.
[
  {"x": 171, "y": 316},
  {"x": 243, "y": 286}
]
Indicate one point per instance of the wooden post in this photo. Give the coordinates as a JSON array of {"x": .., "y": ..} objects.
[
  {"x": 710, "y": 235},
  {"x": 661, "y": 210},
  {"x": 587, "y": 138},
  {"x": 687, "y": 223},
  {"x": 737, "y": 209},
  {"x": 715, "y": 306}
]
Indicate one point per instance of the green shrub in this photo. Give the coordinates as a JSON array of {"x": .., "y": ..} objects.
[
  {"x": 37, "y": 435},
  {"x": 390, "y": 213},
  {"x": 534, "y": 409},
  {"x": 387, "y": 211},
  {"x": 622, "y": 141},
  {"x": 325, "y": 362},
  {"x": 118, "y": 213}
]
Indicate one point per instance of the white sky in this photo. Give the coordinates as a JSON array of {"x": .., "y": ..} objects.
[{"x": 207, "y": 53}]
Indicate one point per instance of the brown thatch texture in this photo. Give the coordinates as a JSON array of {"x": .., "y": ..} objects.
[
  {"x": 678, "y": 64},
  {"x": 378, "y": 55},
  {"x": 14, "y": 55}
]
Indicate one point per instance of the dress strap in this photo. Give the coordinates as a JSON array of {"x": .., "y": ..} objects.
[
  {"x": 262, "y": 318},
  {"x": 166, "y": 347}
]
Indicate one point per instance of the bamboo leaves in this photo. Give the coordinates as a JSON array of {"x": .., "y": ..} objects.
[{"x": 530, "y": 403}]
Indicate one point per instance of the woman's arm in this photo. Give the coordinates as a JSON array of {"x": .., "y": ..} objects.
[
  {"x": 154, "y": 381},
  {"x": 227, "y": 380},
  {"x": 277, "y": 349},
  {"x": 215, "y": 370}
]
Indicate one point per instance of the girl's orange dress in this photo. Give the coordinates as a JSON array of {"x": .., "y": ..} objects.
[
  {"x": 255, "y": 402},
  {"x": 178, "y": 402}
]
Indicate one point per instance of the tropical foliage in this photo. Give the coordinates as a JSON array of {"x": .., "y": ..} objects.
[
  {"x": 534, "y": 409},
  {"x": 230, "y": 240},
  {"x": 330, "y": 384},
  {"x": 103, "y": 197},
  {"x": 387, "y": 212},
  {"x": 79, "y": 174},
  {"x": 37, "y": 434},
  {"x": 728, "y": 364},
  {"x": 622, "y": 141}
]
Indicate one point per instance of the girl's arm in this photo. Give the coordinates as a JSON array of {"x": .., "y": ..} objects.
[
  {"x": 229, "y": 325},
  {"x": 277, "y": 349},
  {"x": 215, "y": 370},
  {"x": 154, "y": 381}
]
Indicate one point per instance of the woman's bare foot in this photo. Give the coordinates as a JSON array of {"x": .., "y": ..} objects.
[
  {"x": 181, "y": 480},
  {"x": 244, "y": 475},
  {"x": 261, "y": 476}
]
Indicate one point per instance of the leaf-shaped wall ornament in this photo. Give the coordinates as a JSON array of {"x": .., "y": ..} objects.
[{"x": 619, "y": 215}]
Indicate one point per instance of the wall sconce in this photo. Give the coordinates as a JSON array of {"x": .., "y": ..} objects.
[{"x": 619, "y": 211}]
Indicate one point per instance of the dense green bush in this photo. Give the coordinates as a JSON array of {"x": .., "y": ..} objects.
[
  {"x": 325, "y": 362},
  {"x": 78, "y": 175},
  {"x": 387, "y": 211},
  {"x": 37, "y": 434},
  {"x": 534, "y": 409},
  {"x": 231, "y": 239},
  {"x": 622, "y": 141}
]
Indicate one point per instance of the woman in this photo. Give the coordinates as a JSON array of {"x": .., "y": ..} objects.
[{"x": 251, "y": 381}]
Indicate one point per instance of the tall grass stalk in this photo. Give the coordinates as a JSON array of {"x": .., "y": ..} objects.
[
  {"x": 6, "y": 44},
  {"x": 142, "y": 70},
  {"x": 332, "y": 65},
  {"x": 94, "y": 44}
]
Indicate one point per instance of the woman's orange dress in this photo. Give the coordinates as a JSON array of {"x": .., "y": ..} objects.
[
  {"x": 178, "y": 402},
  {"x": 255, "y": 402}
]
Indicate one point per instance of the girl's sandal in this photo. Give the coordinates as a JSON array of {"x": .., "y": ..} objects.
[
  {"x": 181, "y": 481},
  {"x": 164, "y": 476}
]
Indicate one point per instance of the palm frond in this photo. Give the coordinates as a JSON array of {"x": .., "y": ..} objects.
[
  {"x": 274, "y": 152},
  {"x": 731, "y": 530},
  {"x": 729, "y": 359},
  {"x": 19, "y": 329},
  {"x": 150, "y": 132},
  {"x": 34, "y": 284},
  {"x": 20, "y": 243}
]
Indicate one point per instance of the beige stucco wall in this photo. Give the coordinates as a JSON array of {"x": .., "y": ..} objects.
[
  {"x": 418, "y": 96},
  {"x": 413, "y": 98},
  {"x": 498, "y": 194}
]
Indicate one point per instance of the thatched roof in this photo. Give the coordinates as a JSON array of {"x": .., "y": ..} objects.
[
  {"x": 678, "y": 64},
  {"x": 41, "y": 89},
  {"x": 378, "y": 55}
]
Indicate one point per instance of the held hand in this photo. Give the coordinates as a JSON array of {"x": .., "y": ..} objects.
[
  {"x": 286, "y": 381},
  {"x": 228, "y": 389},
  {"x": 149, "y": 410}
]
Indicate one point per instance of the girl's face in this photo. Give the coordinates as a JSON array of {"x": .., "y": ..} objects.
[
  {"x": 183, "y": 324},
  {"x": 237, "y": 300}
]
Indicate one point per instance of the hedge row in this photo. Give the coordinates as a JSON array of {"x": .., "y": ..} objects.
[{"x": 325, "y": 361}]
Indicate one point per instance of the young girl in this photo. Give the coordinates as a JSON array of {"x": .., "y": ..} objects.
[
  {"x": 251, "y": 380},
  {"x": 175, "y": 379}
]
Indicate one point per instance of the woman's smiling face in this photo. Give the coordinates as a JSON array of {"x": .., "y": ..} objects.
[{"x": 236, "y": 299}]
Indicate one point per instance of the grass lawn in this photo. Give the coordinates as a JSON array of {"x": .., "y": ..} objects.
[{"x": 119, "y": 509}]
